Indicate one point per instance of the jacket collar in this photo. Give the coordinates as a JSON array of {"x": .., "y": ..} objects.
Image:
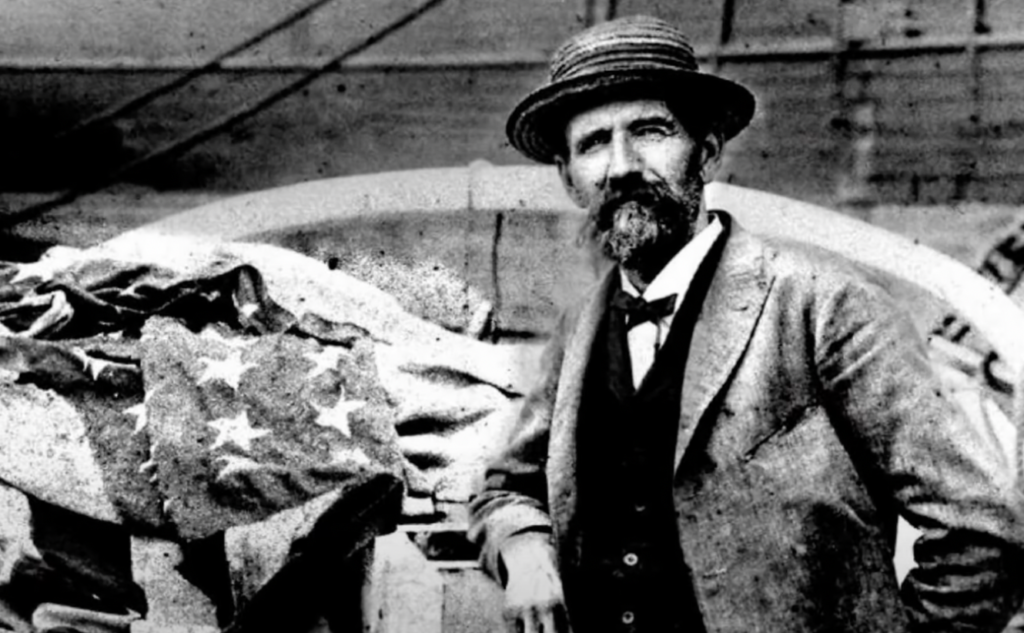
[{"x": 730, "y": 311}]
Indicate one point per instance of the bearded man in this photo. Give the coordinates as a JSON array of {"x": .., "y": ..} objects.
[{"x": 726, "y": 430}]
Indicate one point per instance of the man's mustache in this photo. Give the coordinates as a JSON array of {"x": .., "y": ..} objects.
[{"x": 644, "y": 194}]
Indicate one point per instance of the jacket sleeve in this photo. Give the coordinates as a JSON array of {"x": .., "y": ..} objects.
[
  {"x": 513, "y": 498},
  {"x": 920, "y": 456}
]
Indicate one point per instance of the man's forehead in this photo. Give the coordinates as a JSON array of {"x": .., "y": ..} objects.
[{"x": 618, "y": 112}]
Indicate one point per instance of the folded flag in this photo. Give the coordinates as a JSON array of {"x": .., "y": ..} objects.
[
  {"x": 203, "y": 403},
  {"x": 243, "y": 427},
  {"x": 185, "y": 402}
]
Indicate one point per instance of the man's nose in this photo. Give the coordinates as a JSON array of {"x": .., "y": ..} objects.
[{"x": 624, "y": 159}]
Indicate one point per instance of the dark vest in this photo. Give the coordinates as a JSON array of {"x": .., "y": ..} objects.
[{"x": 632, "y": 573}]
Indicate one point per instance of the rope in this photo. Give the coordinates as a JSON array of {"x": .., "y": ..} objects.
[
  {"x": 217, "y": 127},
  {"x": 134, "y": 103}
]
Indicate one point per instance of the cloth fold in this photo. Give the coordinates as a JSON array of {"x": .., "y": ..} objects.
[{"x": 206, "y": 393}]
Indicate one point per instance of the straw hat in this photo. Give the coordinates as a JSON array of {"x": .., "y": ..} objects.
[{"x": 635, "y": 57}]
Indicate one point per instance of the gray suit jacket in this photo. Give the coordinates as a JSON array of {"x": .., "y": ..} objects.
[{"x": 810, "y": 420}]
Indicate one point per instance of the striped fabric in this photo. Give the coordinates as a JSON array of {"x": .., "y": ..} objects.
[{"x": 624, "y": 44}]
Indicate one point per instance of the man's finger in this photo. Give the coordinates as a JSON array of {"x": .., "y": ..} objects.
[
  {"x": 531, "y": 621},
  {"x": 548, "y": 622},
  {"x": 561, "y": 615},
  {"x": 522, "y": 620},
  {"x": 513, "y": 621}
]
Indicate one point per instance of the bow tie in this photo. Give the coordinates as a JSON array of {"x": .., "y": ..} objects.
[{"x": 639, "y": 311}]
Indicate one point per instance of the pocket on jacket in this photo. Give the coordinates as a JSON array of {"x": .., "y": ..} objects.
[
  {"x": 805, "y": 463},
  {"x": 803, "y": 426}
]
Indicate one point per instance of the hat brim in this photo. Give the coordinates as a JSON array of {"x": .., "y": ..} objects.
[{"x": 536, "y": 126}]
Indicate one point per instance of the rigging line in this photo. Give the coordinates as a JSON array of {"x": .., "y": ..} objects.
[
  {"x": 217, "y": 127},
  {"x": 134, "y": 103}
]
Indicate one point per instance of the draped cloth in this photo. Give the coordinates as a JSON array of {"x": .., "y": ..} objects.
[{"x": 190, "y": 390}]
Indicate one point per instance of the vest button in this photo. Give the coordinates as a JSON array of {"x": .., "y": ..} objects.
[
  {"x": 630, "y": 559},
  {"x": 628, "y": 617}
]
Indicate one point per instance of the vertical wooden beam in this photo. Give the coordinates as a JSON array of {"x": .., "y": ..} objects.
[
  {"x": 595, "y": 11},
  {"x": 838, "y": 62},
  {"x": 971, "y": 132},
  {"x": 978, "y": 20},
  {"x": 840, "y": 103},
  {"x": 854, "y": 120},
  {"x": 611, "y": 9},
  {"x": 726, "y": 19}
]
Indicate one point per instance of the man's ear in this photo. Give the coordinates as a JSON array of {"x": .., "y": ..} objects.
[
  {"x": 711, "y": 156},
  {"x": 570, "y": 186}
]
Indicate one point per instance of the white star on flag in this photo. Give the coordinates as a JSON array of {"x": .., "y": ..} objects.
[
  {"x": 236, "y": 430},
  {"x": 94, "y": 366},
  {"x": 337, "y": 416},
  {"x": 248, "y": 309},
  {"x": 325, "y": 359},
  {"x": 355, "y": 454},
  {"x": 235, "y": 464},
  {"x": 229, "y": 370},
  {"x": 139, "y": 411}
]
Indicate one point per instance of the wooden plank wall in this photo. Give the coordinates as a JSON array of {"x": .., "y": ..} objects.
[{"x": 895, "y": 101}]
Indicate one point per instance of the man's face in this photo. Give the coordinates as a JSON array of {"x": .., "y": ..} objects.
[{"x": 640, "y": 175}]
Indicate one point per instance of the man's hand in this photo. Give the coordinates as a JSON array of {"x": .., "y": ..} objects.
[{"x": 534, "y": 601}]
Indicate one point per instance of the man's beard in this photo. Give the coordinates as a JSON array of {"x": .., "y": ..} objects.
[{"x": 641, "y": 225}]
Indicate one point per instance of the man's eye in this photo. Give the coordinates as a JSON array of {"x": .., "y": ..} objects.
[
  {"x": 656, "y": 131},
  {"x": 587, "y": 144}
]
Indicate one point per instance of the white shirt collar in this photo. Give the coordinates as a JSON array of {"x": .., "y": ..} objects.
[{"x": 677, "y": 275}]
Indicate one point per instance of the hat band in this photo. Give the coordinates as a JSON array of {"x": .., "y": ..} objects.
[
  {"x": 622, "y": 58},
  {"x": 627, "y": 64}
]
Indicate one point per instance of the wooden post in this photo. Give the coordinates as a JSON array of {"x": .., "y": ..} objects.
[
  {"x": 595, "y": 11},
  {"x": 726, "y": 17},
  {"x": 971, "y": 132},
  {"x": 854, "y": 119}
]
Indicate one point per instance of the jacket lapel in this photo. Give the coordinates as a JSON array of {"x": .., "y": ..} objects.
[
  {"x": 565, "y": 416},
  {"x": 731, "y": 309}
]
